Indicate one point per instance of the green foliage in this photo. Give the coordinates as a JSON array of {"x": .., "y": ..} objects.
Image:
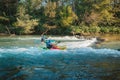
[
  {"x": 60, "y": 16},
  {"x": 67, "y": 16},
  {"x": 105, "y": 12},
  {"x": 104, "y": 30},
  {"x": 32, "y": 5},
  {"x": 76, "y": 29},
  {"x": 3, "y": 18},
  {"x": 95, "y": 29},
  {"x": 50, "y": 9},
  {"x": 8, "y": 7},
  {"x": 2, "y": 28},
  {"x": 110, "y": 29},
  {"x": 25, "y": 21}
]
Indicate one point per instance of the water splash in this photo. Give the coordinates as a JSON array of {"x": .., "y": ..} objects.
[
  {"x": 78, "y": 44},
  {"x": 83, "y": 51}
]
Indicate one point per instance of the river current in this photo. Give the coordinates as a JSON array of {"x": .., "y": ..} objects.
[{"x": 22, "y": 59}]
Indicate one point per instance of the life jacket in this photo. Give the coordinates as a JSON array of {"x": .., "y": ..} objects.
[{"x": 48, "y": 44}]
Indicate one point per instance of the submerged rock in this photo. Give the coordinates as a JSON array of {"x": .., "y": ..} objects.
[
  {"x": 102, "y": 39},
  {"x": 118, "y": 49}
]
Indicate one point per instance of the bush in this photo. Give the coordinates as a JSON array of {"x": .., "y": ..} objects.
[
  {"x": 111, "y": 29},
  {"x": 104, "y": 29},
  {"x": 94, "y": 29},
  {"x": 2, "y": 28}
]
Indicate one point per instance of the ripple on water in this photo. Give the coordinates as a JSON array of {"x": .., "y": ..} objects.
[{"x": 33, "y": 63}]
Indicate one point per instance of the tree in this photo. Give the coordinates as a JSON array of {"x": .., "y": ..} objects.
[
  {"x": 32, "y": 5},
  {"x": 24, "y": 21},
  {"x": 115, "y": 4},
  {"x": 7, "y": 13},
  {"x": 67, "y": 16},
  {"x": 105, "y": 12}
]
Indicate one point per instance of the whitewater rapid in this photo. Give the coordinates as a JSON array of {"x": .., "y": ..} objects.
[
  {"x": 22, "y": 58},
  {"x": 83, "y": 51},
  {"x": 31, "y": 45}
]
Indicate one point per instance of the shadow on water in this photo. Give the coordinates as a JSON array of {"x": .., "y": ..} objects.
[
  {"x": 110, "y": 69},
  {"x": 60, "y": 67},
  {"x": 12, "y": 73}
]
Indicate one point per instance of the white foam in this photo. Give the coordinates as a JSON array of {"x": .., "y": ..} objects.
[
  {"x": 83, "y": 50},
  {"x": 21, "y": 49},
  {"x": 39, "y": 37},
  {"x": 92, "y": 51},
  {"x": 24, "y": 38},
  {"x": 17, "y": 50},
  {"x": 64, "y": 38},
  {"x": 78, "y": 44}
]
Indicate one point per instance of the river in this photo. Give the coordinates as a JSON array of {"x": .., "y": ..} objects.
[{"x": 22, "y": 59}]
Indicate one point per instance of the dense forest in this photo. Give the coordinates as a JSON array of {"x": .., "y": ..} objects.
[{"x": 59, "y": 17}]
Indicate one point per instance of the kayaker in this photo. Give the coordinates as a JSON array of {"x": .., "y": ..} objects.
[
  {"x": 50, "y": 44},
  {"x": 42, "y": 43}
]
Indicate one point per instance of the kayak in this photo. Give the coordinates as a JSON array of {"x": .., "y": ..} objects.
[
  {"x": 59, "y": 48},
  {"x": 54, "y": 48}
]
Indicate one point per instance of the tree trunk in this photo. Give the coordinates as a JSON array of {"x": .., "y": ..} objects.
[{"x": 8, "y": 30}]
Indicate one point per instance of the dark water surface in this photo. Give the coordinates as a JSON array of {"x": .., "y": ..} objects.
[{"x": 22, "y": 59}]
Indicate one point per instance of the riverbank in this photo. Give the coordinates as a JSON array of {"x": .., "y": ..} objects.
[
  {"x": 103, "y": 37},
  {"x": 109, "y": 37},
  {"x": 3, "y": 34},
  {"x": 110, "y": 41}
]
